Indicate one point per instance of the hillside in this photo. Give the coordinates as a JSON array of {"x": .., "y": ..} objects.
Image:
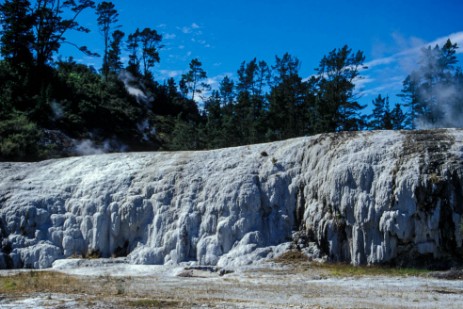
[{"x": 392, "y": 197}]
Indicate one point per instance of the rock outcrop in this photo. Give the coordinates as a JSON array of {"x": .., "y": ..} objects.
[{"x": 363, "y": 198}]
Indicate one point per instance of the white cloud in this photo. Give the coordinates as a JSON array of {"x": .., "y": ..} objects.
[
  {"x": 171, "y": 73},
  {"x": 387, "y": 73},
  {"x": 381, "y": 89},
  {"x": 456, "y": 37},
  {"x": 413, "y": 48},
  {"x": 189, "y": 29},
  {"x": 169, "y": 36},
  {"x": 361, "y": 82},
  {"x": 185, "y": 29}
]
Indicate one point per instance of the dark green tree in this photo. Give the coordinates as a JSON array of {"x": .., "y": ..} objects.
[
  {"x": 227, "y": 91},
  {"x": 397, "y": 117},
  {"x": 411, "y": 100},
  {"x": 133, "y": 44},
  {"x": 186, "y": 135},
  {"x": 50, "y": 26},
  {"x": 214, "y": 127},
  {"x": 107, "y": 17},
  {"x": 429, "y": 91},
  {"x": 114, "y": 52},
  {"x": 16, "y": 33},
  {"x": 338, "y": 106},
  {"x": 150, "y": 42},
  {"x": 193, "y": 81},
  {"x": 16, "y": 41},
  {"x": 251, "y": 101},
  {"x": 144, "y": 51},
  {"x": 289, "y": 104},
  {"x": 380, "y": 117}
]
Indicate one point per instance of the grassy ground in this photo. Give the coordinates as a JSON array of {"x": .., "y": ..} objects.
[
  {"x": 293, "y": 282},
  {"x": 299, "y": 261},
  {"x": 40, "y": 282}
]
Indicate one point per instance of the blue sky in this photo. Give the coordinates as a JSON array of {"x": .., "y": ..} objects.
[{"x": 222, "y": 34}]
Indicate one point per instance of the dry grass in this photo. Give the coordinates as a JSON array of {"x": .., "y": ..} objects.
[
  {"x": 347, "y": 270},
  {"x": 299, "y": 262},
  {"x": 41, "y": 282},
  {"x": 297, "y": 281},
  {"x": 291, "y": 257}
]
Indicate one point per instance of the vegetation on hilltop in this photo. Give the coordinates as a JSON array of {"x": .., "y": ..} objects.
[{"x": 122, "y": 106}]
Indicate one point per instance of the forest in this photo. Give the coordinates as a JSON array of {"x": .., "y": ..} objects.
[{"x": 51, "y": 107}]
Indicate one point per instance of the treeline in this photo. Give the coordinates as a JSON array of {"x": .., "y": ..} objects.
[{"x": 48, "y": 104}]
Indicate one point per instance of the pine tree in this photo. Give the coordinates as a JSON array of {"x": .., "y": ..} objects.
[
  {"x": 51, "y": 26},
  {"x": 114, "y": 52},
  {"x": 107, "y": 17},
  {"x": 337, "y": 73},
  {"x": 150, "y": 42},
  {"x": 192, "y": 81},
  {"x": 214, "y": 123},
  {"x": 411, "y": 99},
  {"x": 428, "y": 91},
  {"x": 133, "y": 44},
  {"x": 397, "y": 118},
  {"x": 380, "y": 117},
  {"x": 251, "y": 102},
  {"x": 16, "y": 32},
  {"x": 287, "y": 109},
  {"x": 226, "y": 90},
  {"x": 144, "y": 51}
]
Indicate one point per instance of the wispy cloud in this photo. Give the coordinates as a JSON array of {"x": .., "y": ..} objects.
[
  {"x": 194, "y": 27},
  {"x": 413, "y": 51},
  {"x": 169, "y": 36},
  {"x": 385, "y": 74},
  {"x": 171, "y": 73}
]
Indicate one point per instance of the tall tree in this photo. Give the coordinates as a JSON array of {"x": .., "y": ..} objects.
[
  {"x": 380, "y": 117},
  {"x": 226, "y": 90},
  {"x": 144, "y": 50},
  {"x": 429, "y": 92},
  {"x": 150, "y": 42},
  {"x": 337, "y": 73},
  {"x": 114, "y": 52},
  {"x": 193, "y": 81},
  {"x": 16, "y": 31},
  {"x": 214, "y": 127},
  {"x": 397, "y": 117},
  {"x": 51, "y": 26},
  {"x": 251, "y": 101},
  {"x": 133, "y": 44},
  {"x": 107, "y": 17},
  {"x": 410, "y": 98},
  {"x": 288, "y": 110}
]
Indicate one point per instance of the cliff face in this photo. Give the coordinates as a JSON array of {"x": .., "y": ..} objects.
[{"x": 369, "y": 197}]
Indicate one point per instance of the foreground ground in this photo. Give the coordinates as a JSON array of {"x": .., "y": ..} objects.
[{"x": 110, "y": 284}]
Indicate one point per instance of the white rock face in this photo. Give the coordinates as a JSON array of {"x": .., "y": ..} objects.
[{"x": 358, "y": 197}]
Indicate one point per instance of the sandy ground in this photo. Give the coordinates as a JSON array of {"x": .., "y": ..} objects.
[{"x": 266, "y": 286}]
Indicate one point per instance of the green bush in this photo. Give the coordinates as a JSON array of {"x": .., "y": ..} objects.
[{"x": 19, "y": 139}]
